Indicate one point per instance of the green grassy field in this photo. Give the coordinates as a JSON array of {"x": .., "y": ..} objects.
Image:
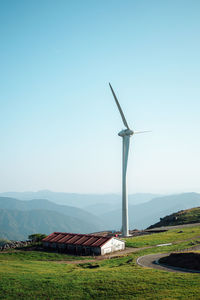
[
  {"x": 170, "y": 236},
  {"x": 40, "y": 275},
  {"x": 37, "y": 256}
]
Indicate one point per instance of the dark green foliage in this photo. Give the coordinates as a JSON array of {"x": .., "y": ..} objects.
[
  {"x": 36, "y": 237},
  {"x": 4, "y": 241}
]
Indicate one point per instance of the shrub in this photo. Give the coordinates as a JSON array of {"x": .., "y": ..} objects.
[
  {"x": 37, "y": 237},
  {"x": 4, "y": 241}
]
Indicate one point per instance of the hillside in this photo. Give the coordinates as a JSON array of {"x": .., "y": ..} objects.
[
  {"x": 11, "y": 203},
  {"x": 143, "y": 215},
  {"x": 182, "y": 217},
  {"x": 17, "y": 225},
  {"x": 44, "y": 216}
]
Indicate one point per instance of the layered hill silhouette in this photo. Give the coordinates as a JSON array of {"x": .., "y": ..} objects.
[
  {"x": 19, "y": 218},
  {"x": 143, "y": 215},
  {"x": 91, "y": 202},
  {"x": 187, "y": 216},
  {"x": 17, "y": 225}
]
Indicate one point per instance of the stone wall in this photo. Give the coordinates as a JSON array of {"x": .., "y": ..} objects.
[{"x": 14, "y": 244}]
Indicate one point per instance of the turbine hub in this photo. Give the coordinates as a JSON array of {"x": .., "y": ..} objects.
[{"x": 126, "y": 132}]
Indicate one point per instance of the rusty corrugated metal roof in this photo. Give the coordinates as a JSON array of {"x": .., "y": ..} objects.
[{"x": 77, "y": 239}]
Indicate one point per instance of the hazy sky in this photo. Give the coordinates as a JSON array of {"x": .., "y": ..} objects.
[{"x": 59, "y": 121}]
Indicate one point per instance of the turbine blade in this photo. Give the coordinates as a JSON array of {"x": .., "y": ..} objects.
[
  {"x": 136, "y": 132},
  {"x": 119, "y": 107}
]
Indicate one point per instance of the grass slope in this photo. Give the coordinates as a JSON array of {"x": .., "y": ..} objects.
[
  {"x": 170, "y": 236},
  {"x": 26, "y": 255},
  {"x": 118, "y": 278},
  {"x": 187, "y": 216}
]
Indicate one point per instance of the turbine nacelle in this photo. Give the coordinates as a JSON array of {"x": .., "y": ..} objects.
[{"x": 125, "y": 132}]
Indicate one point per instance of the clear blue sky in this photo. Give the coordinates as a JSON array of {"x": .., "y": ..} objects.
[{"x": 59, "y": 122}]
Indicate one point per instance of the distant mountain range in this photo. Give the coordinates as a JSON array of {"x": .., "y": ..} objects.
[
  {"x": 20, "y": 218},
  {"x": 145, "y": 214},
  {"x": 89, "y": 202},
  {"x": 18, "y": 225}
]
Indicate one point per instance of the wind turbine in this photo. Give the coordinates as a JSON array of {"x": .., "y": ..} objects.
[{"x": 125, "y": 134}]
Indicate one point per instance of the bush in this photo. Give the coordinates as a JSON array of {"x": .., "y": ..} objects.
[
  {"x": 36, "y": 237},
  {"x": 4, "y": 241}
]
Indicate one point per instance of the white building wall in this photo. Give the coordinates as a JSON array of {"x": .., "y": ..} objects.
[{"x": 112, "y": 246}]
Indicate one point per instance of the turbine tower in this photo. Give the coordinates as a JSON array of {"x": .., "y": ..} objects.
[{"x": 125, "y": 134}]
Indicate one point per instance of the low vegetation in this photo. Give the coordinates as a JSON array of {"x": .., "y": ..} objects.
[
  {"x": 43, "y": 275},
  {"x": 4, "y": 242},
  {"x": 24, "y": 255},
  {"x": 182, "y": 217},
  {"x": 36, "y": 237},
  {"x": 171, "y": 236}
]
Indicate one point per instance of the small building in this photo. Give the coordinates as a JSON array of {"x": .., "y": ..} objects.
[{"x": 82, "y": 244}]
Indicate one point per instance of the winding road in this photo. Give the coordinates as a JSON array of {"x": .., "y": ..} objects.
[{"x": 151, "y": 261}]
